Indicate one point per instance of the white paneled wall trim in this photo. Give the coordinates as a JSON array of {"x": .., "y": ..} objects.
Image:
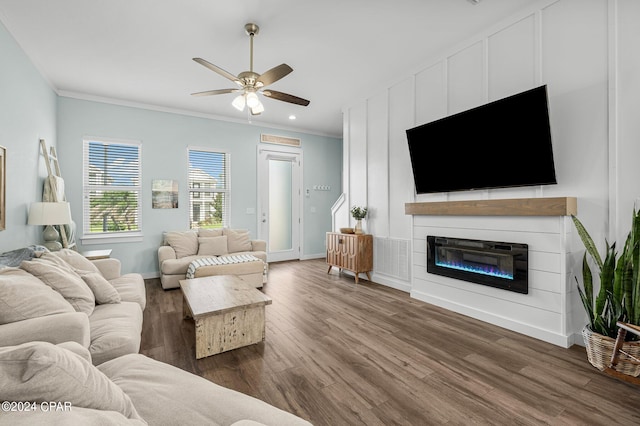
[{"x": 585, "y": 51}]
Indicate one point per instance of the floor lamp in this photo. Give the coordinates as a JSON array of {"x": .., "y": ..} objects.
[{"x": 50, "y": 214}]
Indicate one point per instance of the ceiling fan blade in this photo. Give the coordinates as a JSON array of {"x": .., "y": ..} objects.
[
  {"x": 215, "y": 92},
  {"x": 285, "y": 97},
  {"x": 217, "y": 69},
  {"x": 274, "y": 74}
]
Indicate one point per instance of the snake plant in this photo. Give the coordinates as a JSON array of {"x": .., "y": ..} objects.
[{"x": 618, "y": 298}]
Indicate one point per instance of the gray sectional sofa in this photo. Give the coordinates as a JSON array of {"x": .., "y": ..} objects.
[
  {"x": 65, "y": 297},
  {"x": 128, "y": 390},
  {"x": 69, "y": 336},
  {"x": 180, "y": 248}
]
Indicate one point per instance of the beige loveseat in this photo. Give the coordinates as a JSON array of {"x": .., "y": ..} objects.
[
  {"x": 65, "y": 297},
  {"x": 64, "y": 388},
  {"x": 180, "y": 248}
]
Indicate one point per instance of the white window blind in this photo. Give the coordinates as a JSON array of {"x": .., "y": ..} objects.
[
  {"x": 208, "y": 188},
  {"x": 112, "y": 191}
]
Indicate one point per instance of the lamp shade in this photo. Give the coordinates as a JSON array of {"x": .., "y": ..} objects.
[
  {"x": 252, "y": 99},
  {"x": 49, "y": 213},
  {"x": 238, "y": 102}
]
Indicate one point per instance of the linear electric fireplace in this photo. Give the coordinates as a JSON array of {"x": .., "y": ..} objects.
[{"x": 492, "y": 263}]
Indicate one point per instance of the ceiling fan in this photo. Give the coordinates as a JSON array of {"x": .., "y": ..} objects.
[{"x": 252, "y": 83}]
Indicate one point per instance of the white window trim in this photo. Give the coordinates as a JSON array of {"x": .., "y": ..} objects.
[
  {"x": 110, "y": 237},
  {"x": 227, "y": 206}
]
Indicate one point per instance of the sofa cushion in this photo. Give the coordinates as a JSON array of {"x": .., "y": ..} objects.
[
  {"x": 115, "y": 331},
  {"x": 43, "y": 372},
  {"x": 158, "y": 389},
  {"x": 25, "y": 296},
  {"x": 57, "y": 274},
  {"x": 259, "y": 254},
  {"x": 180, "y": 266},
  {"x": 131, "y": 288},
  {"x": 208, "y": 233},
  {"x": 76, "y": 260},
  {"x": 177, "y": 266},
  {"x": 183, "y": 243},
  {"x": 102, "y": 289},
  {"x": 77, "y": 349},
  {"x": 237, "y": 240},
  {"x": 212, "y": 246}
]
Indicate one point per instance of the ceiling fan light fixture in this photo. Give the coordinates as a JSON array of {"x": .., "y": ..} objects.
[
  {"x": 238, "y": 102},
  {"x": 258, "y": 109},
  {"x": 252, "y": 100},
  {"x": 250, "y": 82}
]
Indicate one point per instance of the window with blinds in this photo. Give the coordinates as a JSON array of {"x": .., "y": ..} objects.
[
  {"x": 112, "y": 191},
  {"x": 208, "y": 188}
]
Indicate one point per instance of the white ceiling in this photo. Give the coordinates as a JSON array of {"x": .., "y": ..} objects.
[{"x": 138, "y": 52}]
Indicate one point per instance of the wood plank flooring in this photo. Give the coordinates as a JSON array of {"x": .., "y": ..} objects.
[{"x": 340, "y": 354}]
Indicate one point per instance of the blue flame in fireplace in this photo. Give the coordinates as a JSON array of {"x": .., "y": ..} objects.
[{"x": 476, "y": 269}]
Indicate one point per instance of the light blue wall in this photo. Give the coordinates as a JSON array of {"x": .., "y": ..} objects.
[
  {"x": 165, "y": 138},
  {"x": 27, "y": 113}
]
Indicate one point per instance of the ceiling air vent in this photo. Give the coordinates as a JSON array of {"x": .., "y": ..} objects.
[{"x": 279, "y": 140}]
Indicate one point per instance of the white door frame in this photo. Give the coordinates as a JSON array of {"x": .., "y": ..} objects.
[{"x": 284, "y": 152}]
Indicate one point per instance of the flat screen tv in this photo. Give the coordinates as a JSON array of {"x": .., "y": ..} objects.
[{"x": 505, "y": 143}]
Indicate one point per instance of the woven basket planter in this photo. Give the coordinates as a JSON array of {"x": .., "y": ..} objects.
[{"x": 600, "y": 349}]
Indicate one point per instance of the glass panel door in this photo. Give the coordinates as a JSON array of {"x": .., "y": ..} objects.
[{"x": 280, "y": 202}]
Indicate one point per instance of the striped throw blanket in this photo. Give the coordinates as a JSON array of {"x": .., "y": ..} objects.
[{"x": 222, "y": 260}]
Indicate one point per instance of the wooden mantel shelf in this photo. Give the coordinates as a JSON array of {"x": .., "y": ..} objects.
[{"x": 552, "y": 206}]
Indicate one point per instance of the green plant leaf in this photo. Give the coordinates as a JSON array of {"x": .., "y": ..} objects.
[
  {"x": 633, "y": 291},
  {"x": 606, "y": 279},
  {"x": 587, "y": 241},
  {"x": 587, "y": 305},
  {"x": 587, "y": 281}
]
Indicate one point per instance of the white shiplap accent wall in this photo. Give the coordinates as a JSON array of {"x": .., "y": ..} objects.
[
  {"x": 585, "y": 51},
  {"x": 543, "y": 313}
]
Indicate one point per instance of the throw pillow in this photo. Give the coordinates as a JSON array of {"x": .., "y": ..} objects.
[
  {"x": 183, "y": 243},
  {"x": 57, "y": 274},
  {"x": 25, "y": 296},
  {"x": 43, "y": 372},
  {"x": 102, "y": 289},
  {"x": 238, "y": 240},
  {"x": 77, "y": 349},
  {"x": 76, "y": 260},
  {"x": 212, "y": 246},
  {"x": 210, "y": 232}
]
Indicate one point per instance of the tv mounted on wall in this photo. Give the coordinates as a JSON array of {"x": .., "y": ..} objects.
[{"x": 505, "y": 143}]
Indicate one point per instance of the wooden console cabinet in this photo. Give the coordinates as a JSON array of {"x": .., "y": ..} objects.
[{"x": 351, "y": 252}]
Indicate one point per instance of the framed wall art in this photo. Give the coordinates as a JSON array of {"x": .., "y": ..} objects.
[{"x": 164, "y": 194}]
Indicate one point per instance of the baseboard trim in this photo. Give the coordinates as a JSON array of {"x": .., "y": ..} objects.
[
  {"x": 391, "y": 282},
  {"x": 509, "y": 324},
  {"x": 313, "y": 256},
  {"x": 150, "y": 275}
]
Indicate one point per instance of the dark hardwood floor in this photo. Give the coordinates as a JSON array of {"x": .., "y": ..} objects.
[{"x": 340, "y": 354}]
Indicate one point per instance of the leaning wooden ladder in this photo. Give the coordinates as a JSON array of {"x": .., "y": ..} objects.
[{"x": 53, "y": 170}]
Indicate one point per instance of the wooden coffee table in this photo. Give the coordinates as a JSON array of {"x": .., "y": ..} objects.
[{"x": 228, "y": 312}]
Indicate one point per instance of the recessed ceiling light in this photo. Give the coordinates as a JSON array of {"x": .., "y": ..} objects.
[{"x": 292, "y": 117}]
